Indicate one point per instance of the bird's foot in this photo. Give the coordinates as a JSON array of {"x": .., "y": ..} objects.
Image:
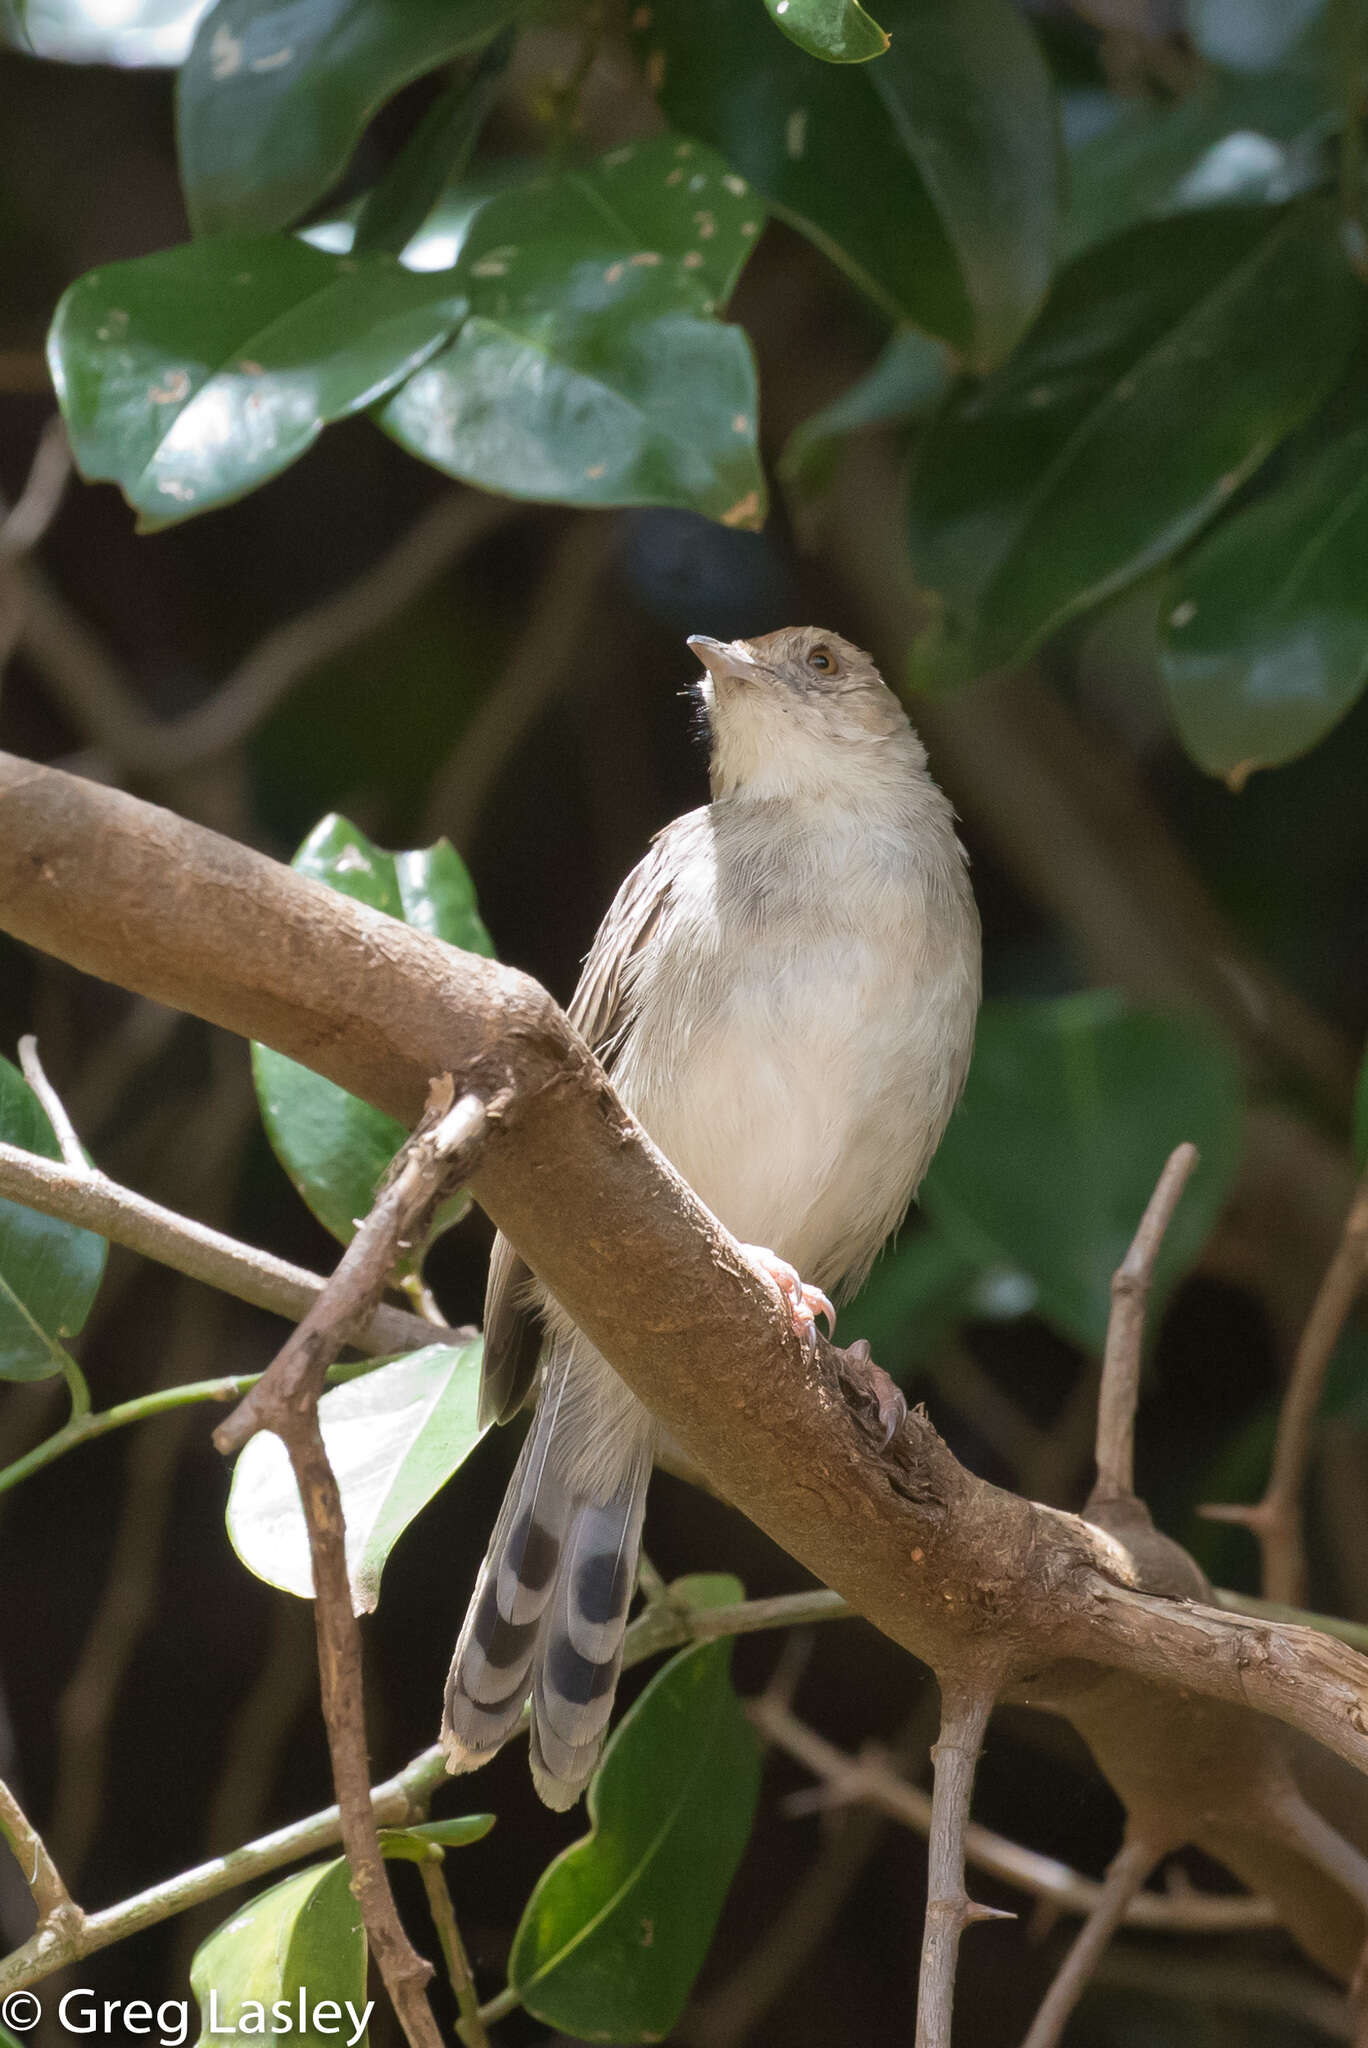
[
  {"x": 873, "y": 1391},
  {"x": 804, "y": 1303}
]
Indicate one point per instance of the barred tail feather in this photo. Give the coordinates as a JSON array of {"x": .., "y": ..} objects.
[{"x": 548, "y": 1615}]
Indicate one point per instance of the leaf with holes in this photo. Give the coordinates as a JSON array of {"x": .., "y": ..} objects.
[
  {"x": 931, "y": 177},
  {"x": 837, "y": 31},
  {"x": 1265, "y": 638},
  {"x": 50, "y": 1271},
  {"x": 275, "y": 94},
  {"x": 394, "y": 1437},
  {"x": 1166, "y": 366},
  {"x": 334, "y": 1147},
  {"x": 1071, "y": 1109},
  {"x": 291, "y": 1948},
  {"x": 590, "y": 370},
  {"x": 190, "y": 377},
  {"x": 619, "y": 1925}
]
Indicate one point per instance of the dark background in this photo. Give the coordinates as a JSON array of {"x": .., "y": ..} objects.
[{"x": 156, "y": 1702}]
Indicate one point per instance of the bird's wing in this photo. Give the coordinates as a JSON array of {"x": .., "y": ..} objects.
[{"x": 601, "y": 1010}]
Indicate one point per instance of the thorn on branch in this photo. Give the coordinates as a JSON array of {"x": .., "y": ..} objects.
[
  {"x": 1130, "y": 1291},
  {"x": 949, "y": 1910}
]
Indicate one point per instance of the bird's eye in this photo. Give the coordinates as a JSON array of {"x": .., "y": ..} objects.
[{"x": 821, "y": 660}]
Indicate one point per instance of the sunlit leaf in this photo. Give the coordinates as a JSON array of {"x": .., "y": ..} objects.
[
  {"x": 191, "y": 376},
  {"x": 394, "y": 1437},
  {"x": 1265, "y": 639},
  {"x": 1166, "y": 366},
  {"x": 1071, "y": 1109},
  {"x": 334, "y": 1147},
  {"x": 130, "y": 33},
  {"x": 590, "y": 370},
  {"x": 930, "y": 176},
  {"x": 838, "y": 31},
  {"x": 50, "y": 1271},
  {"x": 619, "y": 1925},
  {"x": 275, "y": 94},
  {"x": 300, "y": 1944}
]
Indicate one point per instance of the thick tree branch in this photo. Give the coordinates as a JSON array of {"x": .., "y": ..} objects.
[{"x": 939, "y": 1560}]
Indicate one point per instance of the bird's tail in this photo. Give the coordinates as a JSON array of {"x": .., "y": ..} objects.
[{"x": 549, "y": 1612}]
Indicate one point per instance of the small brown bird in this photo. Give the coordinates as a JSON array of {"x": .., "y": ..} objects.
[{"x": 784, "y": 992}]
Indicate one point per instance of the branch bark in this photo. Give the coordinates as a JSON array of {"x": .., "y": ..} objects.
[{"x": 942, "y": 1562}]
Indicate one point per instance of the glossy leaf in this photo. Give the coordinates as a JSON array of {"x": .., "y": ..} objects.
[
  {"x": 191, "y": 376},
  {"x": 590, "y": 371},
  {"x": 906, "y": 382},
  {"x": 50, "y": 1271},
  {"x": 436, "y": 155},
  {"x": 1167, "y": 365},
  {"x": 1265, "y": 637},
  {"x": 930, "y": 176},
  {"x": 838, "y": 31},
  {"x": 275, "y": 94},
  {"x": 429, "y": 1838},
  {"x": 618, "y": 1926},
  {"x": 133, "y": 34},
  {"x": 394, "y": 1436},
  {"x": 1250, "y": 35},
  {"x": 1071, "y": 1109},
  {"x": 334, "y": 1147},
  {"x": 1232, "y": 140},
  {"x": 303, "y": 1939}
]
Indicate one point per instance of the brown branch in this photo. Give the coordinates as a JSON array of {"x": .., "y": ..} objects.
[
  {"x": 870, "y": 1780},
  {"x": 949, "y": 1909},
  {"x": 102, "y": 700},
  {"x": 1126, "y": 1875},
  {"x": 285, "y": 1400},
  {"x": 940, "y": 1560},
  {"x": 91, "y": 1199},
  {"x": 1121, "y": 1362},
  {"x": 1276, "y": 1519}
]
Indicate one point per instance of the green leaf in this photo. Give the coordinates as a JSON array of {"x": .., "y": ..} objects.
[
  {"x": 1361, "y": 1118},
  {"x": 334, "y": 1147},
  {"x": 301, "y": 1943},
  {"x": 435, "y": 156},
  {"x": 707, "y": 1589},
  {"x": 618, "y": 1926},
  {"x": 1234, "y": 139},
  {"x": 907, "y": 381},
  {"x": 136, "y": 33},
  {"x": 930, "y": 177},
  {"x": 1071, "y": 1109},
  {"x": 913, "y": 1298},
  {"x": 394, "y": 1436},
  {"x": 1167, "y": 365},
  {"x": 190, "y": 377},
  {"x": 838, "y": 31},
  {"x": 1265, "y": 640},
  {"x": 426, "y": 1839},
  {"x": 590, "y": 371},
  {"x": 50, "y": 1271},
  {"x": 275, "y": 94}
]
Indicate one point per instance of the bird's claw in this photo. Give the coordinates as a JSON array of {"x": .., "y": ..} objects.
[{"x": 804, "y": 1303}]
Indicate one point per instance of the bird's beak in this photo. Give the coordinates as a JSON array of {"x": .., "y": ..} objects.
[{"x": 727, "y": 659}]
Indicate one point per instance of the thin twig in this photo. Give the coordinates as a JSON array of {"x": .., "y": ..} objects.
[
  {"x": 53, "y": 1106},
  {"x": 1130, "y": 1289},
  {"x": 39, "y": 502},
  {"x": 89, "y": 1198},
  {"x": 1276, "y": 1519},
  {"x": 869, "y": 1780},
  {"x": 1126, "y": 1873},
  {"x": 58, "y": 1914},
  {"x": 949, "y": 1909},
  {"x": 436, "y": 1157},
  {"x": 470, "y": 2026},
  {"x": 102, "y": 699}
]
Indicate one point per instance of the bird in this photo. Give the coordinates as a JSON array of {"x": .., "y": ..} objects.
[{"x": 784, "y": 993}]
